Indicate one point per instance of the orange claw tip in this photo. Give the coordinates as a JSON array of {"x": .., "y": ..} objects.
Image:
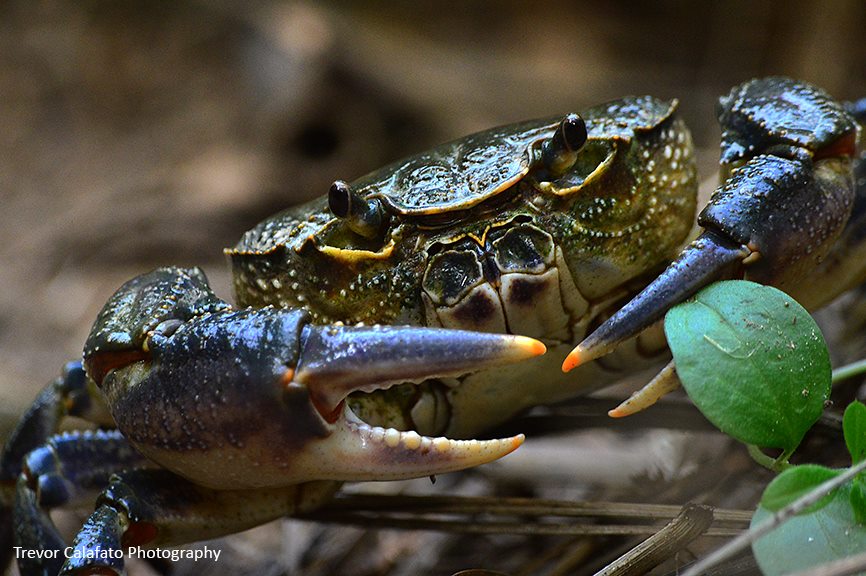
[
  {"x": 574, "y": 359},
  {"x": 593, "y": 346},
  {"x": 516, "y": 442},
  {"x": 530, "y": 346}
]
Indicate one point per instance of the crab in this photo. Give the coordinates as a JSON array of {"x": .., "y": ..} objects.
[{"x": 379, "y": 328}]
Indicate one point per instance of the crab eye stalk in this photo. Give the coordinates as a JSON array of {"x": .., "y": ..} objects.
[
  {"x": 559, "y": 152},
  {"x": 364, "y": 217}
]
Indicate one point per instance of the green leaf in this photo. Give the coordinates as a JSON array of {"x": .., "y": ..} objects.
[
  {"x": 794, "y": 483},
  {"x": 808, "y": 540},
  {"x": 854, "y": 427},
  {"x": 858, "y": 501},
  {"x": 752, "y": 360}
]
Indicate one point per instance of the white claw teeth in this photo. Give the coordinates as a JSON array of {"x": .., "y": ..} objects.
[
  {"x": 441, "y": 444},
  {"x": 392, "y": 437},
  {"x": 377, "y": 434},
  {"x": 470, "y": 452},
  {"x": 411, "y": 439}
]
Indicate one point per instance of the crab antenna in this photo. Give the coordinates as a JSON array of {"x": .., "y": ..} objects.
[
  {"x": 364, "y": 217},
  {"x": 559, "y": 152}
]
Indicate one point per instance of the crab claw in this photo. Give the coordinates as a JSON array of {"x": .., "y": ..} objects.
[
  {"x": 773, "y": 221},
  {"x": 336, "y": 361},
  {"x": 702, "y": 262},
  {"x": 254, "y": 398},
  {"x": 778, "y": 213}
]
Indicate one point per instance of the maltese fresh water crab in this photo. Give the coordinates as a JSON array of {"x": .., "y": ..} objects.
[{"x": 379, "y": 328}]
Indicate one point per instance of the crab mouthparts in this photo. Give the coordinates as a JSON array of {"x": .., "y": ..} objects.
[{"x": 338, "y": 360}]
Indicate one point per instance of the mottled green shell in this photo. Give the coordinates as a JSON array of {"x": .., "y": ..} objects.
[
  {"x": 463, "y": 173},
  {"x": 458, "y": 174},
  {"x": 621, "y": 209},
  {"x": 621, "y": 119}
]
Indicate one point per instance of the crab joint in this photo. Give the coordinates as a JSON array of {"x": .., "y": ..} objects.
[{"x": 364, "y": 217}]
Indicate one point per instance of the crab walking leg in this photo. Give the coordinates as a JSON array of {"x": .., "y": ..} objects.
[
  {"x": 34, "y": 530},
  {"x": 66, "y": 472},
  {"x": 155, "y": 508},
  {"x": 70, "y": 394},
  {"x": 665, "y": 382}
]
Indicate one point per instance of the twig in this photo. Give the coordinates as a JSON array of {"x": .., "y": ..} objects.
[
  {"x": 517, "y": 506},
  {"x": 692, "y": 521},
  {"x": 462, "y": 526},
  {"x": 412, "y": 513}
]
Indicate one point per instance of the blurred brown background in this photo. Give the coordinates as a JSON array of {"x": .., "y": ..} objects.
[{"x": 136, "y": 134}]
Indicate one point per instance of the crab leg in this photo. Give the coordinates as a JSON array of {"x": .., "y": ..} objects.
[
  {"x": 71, "y": 394},
  {"x": 65, "y": 472},
  {"x": 779, "y": 212},
  {"x": 155, "y": 508},
  {"x": 140, "y": 505}
]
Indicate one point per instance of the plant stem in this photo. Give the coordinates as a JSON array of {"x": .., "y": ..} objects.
[
  {"x": 848, "y": 371},
  {"x": 777, "y": 465}
]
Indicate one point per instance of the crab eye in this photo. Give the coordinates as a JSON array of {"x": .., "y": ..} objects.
[
  {"x": 573, "y": 132},
  {"x": 338, "y": 199},
  {"x": 364, "y": 217},
  {"x": 559, "y": 152}
]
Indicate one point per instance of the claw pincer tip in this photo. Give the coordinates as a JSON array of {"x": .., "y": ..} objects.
[
  {"x": 530, "y": 346},
  {"x": 574, "y": 359}
]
